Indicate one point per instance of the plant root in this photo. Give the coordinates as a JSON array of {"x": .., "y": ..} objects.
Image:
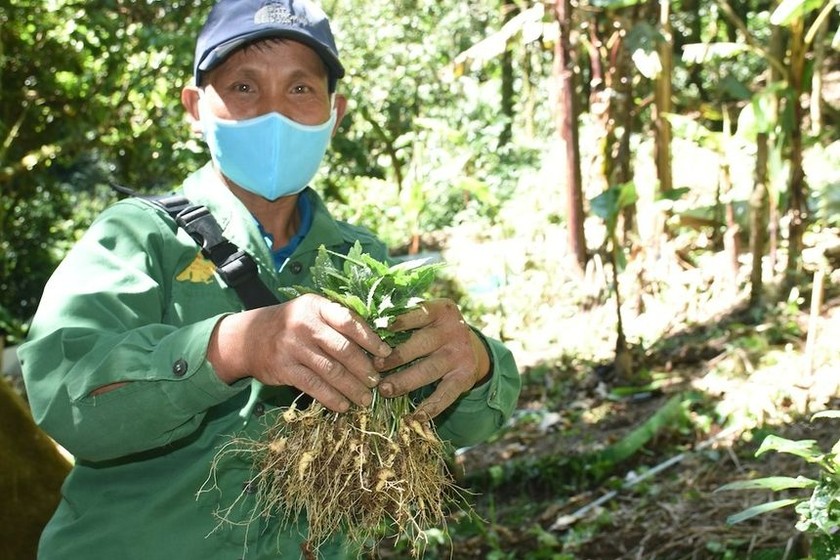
[{"x": 368, "y": 473}]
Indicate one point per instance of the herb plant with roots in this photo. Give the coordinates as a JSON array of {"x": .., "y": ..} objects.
[{"x": 372, "y": 470}]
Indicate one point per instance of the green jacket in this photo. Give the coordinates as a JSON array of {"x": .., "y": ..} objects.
[{"x": 136, "y": 301}]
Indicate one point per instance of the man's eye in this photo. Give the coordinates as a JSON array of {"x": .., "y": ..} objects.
[{"x": 241, "y": 88}]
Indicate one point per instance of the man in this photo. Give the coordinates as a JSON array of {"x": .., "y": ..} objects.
[{"x": 140, "y": 358}]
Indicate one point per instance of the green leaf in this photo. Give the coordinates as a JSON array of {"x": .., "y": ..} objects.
[
  {"x": 702, "y": 53},
  {"x": 690, "y": 129},
  {"x": 807, "y": 449},
  {"x": 759, "y": 509},
  {"x": 409, "y": 265},
  {"x": 378, "y": 268},
  {"x": 735, "y": 87},
  {"x": 825, "y": 547},
  {"x": 774, "y": 483},
  {"x": 351, "y": 301},
  {"x": 323, "y": 269},
  {"x": 627, "y": 195},
  {"x": 372, "y": 296},
  {"x": 826, "y": 414},
  {"x": 375, "y": 290},
  {"x": 820, "y": 512},
  {"x": 604, "y": 205},
  {"x": 620, "y": 259},
  {"x": 290, "y": 292},
  {"x": 673, "y": 194},
  {"x": 789, "y": 11}
]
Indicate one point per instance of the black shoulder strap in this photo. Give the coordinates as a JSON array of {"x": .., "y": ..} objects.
[{"x": 236, "y": 267}]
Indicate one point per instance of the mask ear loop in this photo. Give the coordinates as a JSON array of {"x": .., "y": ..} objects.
[{"x": 199, "y": 122}]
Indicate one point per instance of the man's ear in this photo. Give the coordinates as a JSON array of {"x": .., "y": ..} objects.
[
  {"x": 189, "y": 99},
  {"x": 340, "y": 105}
]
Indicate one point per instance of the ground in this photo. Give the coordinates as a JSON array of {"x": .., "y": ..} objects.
[{"x": 739, "y": 376}]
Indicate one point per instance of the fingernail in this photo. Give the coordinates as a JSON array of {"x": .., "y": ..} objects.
[
  {"x": 374, "y": 379},
  {"x": 384, "y": 350},
  {"x": 379, "y": 363},
  {"x": 386, "y": 389}
]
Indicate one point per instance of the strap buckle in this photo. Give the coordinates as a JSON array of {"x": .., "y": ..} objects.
[{"x": 202, "y": 226}]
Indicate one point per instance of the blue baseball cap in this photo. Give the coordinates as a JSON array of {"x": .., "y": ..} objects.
[{"x": 235, "y": 23}]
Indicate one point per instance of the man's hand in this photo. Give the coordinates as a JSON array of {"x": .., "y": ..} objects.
[
  {"x": 451, "y": 355},
  {"x": 310, "y": 343}
]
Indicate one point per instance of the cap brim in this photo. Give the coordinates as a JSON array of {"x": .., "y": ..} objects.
[{"x": 218, "y": 54}]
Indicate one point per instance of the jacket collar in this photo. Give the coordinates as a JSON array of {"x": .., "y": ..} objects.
[{"x": 238, "y": 225}]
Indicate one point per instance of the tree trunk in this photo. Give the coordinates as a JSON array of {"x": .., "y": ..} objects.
[
  {"x": 623, "y": 361},
  {"x": 662, "y": 105},
  {"x": 816, "y": 101},
  {"x": 758, "y": 219},
  {"x": 731, "y": 241},
  {"x": 797, "y": 189},
  {"x": 777, "y": 52},
  {"x": 567, "y": 117},
  {"x": 617, "y": 158},
  {"x": 529, "y": 94},
  {"x": 509, "y": 10}
]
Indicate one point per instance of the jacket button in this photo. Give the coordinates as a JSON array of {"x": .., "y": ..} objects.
[
  {"x": 295, "y": 267},
  {"x": 259, "y": 409},
  {"x": 179, "y": 368}
]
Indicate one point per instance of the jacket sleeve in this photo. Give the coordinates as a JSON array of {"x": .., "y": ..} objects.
[
  {"x": 481, "y": 412},
  {"x": 101, "y": 322}
]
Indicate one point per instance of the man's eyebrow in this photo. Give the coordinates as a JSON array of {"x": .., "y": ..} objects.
[
  {"x": 243, "y": 70},
  {"x": 256, "y": 71},
  {"x": 304, "y": 73}
]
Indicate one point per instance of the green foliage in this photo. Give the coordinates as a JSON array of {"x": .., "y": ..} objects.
[
  {"x": 87, "y": 92},
  {"x": 418, "y": 150},
  {"x": 822, "y": 164},
  {"x": 609, "y": 204},
  {"x": 819, "y": 513},
  {"x": 378, "y": 292}
]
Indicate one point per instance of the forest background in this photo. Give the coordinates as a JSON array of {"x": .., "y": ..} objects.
[{"x": 640, "y": 197}]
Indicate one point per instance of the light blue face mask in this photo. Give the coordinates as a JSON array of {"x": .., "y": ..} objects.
[{"x": 270, "y": 155}]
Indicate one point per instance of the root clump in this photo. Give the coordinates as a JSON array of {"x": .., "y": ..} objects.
[
  {"x": 363, "y": 472},
  {"x": 369, "y": 471}
]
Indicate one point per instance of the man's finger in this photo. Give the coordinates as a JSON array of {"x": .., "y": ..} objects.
[
  {"x": 352, "y": 326},
  {"x": 419, "y": 374},
  {"x": 446, "y": 393},
  {"x": 314, "y": 385},
  {"x": 344, "y": 352}
]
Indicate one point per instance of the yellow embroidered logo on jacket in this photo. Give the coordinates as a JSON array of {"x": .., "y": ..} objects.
[{"x": 200, "y": 271}]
